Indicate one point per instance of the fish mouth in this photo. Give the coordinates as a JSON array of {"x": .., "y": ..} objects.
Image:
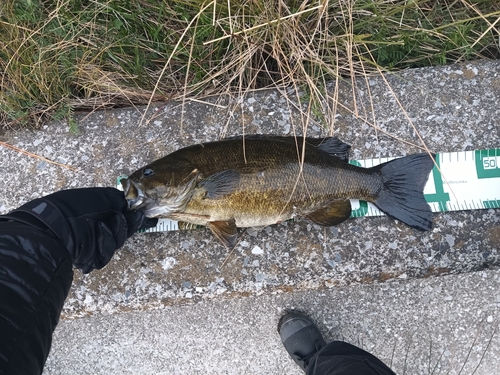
[{"x": 135, "y": 196}]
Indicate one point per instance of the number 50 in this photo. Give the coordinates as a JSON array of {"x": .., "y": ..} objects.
[{"x": 489, "y": 163}]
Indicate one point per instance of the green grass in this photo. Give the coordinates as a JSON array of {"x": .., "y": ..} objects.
[{"x": 60, "y": 56}]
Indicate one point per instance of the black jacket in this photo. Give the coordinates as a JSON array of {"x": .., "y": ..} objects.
[
  {"x": 36, "y": 273},
  {"x": 40, "y": 242}
]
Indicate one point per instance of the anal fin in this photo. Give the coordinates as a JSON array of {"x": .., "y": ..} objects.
[
  {"x": 225, "y": 231},
  {"x": 334, "y": 214}
]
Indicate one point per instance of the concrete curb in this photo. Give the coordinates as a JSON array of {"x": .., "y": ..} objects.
[{"x": 454, "y": 108}]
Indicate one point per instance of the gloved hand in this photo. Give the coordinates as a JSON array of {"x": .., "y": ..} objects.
[{"x": 91, "y": 222}]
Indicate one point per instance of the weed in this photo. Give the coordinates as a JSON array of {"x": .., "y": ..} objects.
[{"x": 82, "y": 54}]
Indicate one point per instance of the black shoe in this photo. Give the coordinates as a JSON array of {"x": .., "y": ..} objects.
[{"x": 301, "y": 338}]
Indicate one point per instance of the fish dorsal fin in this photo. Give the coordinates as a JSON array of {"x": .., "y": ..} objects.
[
  {"x": 331, "y": 145},
  {"x": 334, "y": 214},
  {"x": 220, "y": 184},
  {"x": 225, "y": 231},
  {"x": 335, "y": 147}
]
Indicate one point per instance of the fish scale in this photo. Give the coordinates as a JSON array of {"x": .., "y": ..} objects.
[
  {"x": 462, "y": 180},
  {"x": 262, "y": 180},
  {"x": 448, "y": 188}
]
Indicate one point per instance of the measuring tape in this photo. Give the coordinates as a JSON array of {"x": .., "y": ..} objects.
[{"x": 463, "y": 180}]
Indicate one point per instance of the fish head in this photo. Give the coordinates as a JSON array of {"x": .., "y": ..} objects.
[{"x": 161, "y": 188}]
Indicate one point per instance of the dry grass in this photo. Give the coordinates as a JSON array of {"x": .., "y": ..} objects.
[{"x": 60, "y": 56}]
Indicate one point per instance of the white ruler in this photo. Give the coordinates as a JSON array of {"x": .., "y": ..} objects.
[{"x": 465, "y": 180}]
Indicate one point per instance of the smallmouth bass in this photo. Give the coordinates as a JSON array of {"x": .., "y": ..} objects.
[{"x": 261, "y": 180}]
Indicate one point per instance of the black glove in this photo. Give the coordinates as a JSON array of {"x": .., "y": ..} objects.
[{"x": 91, "y": 223}]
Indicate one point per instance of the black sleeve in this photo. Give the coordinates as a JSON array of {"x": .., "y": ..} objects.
[{"x": 35, "y": 278}]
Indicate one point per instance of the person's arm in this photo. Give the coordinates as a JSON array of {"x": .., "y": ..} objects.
[{"x": 40, "y": 242}]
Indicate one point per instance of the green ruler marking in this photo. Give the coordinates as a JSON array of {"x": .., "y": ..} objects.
[{"x": 469, "y": 180}]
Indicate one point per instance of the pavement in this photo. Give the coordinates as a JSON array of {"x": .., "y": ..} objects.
[
  {"x": 425, "y": 303},
  {"x": 438, "y": 325}
]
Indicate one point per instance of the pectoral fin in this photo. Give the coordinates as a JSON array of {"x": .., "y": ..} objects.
[
  {"x": 220, "y": 184},
  {"x": 333, "y": 214},
  {"x": 225, "y": 231}
]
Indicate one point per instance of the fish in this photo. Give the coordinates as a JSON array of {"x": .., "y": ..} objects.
[{"x": 260, "y": 180}]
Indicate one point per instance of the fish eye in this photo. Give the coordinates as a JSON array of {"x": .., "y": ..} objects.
[{"x": 148, "y": 172}]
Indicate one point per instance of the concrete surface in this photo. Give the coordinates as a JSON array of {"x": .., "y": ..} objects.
[
  {"x": 440, "y": 325},
  {"x": 453, "y": 108}
]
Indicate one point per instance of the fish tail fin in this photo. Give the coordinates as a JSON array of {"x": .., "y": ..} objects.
[{"x": 402, "y": 195}]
